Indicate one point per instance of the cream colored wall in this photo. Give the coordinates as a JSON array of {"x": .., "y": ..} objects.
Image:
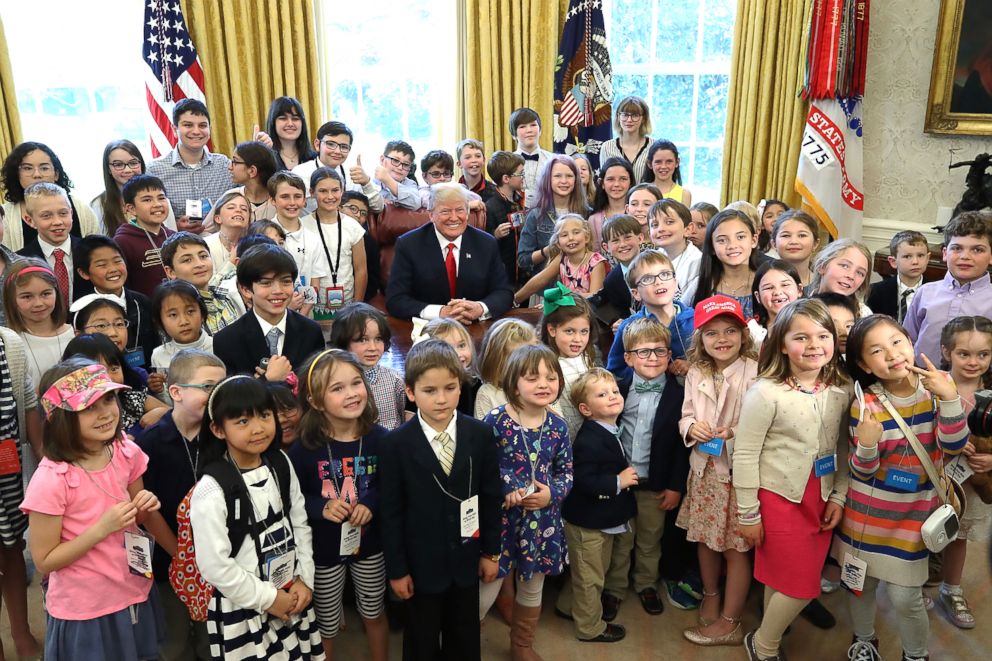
[{"x": 905, "y": 170}]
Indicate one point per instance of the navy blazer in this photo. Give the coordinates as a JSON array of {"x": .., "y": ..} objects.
[
  {"x": 419, "y": 523},
  {"x": 80, "y": 285},
  {"x": 883, "y": 297},
  {"x": 669, "y": 465},
  {"x": 597, "y": 459},
  {"x": 613, "y": 301},
  {"x": 417, "y": 277},
  {"x": 242, "y": 345}
]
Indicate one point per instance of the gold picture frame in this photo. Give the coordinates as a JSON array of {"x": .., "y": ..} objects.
[{"x": 960, "y": 101}]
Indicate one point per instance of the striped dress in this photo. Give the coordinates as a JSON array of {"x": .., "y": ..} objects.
[
  {"x": 13, "y": 522},
  {"x": 882, "y": 523}
]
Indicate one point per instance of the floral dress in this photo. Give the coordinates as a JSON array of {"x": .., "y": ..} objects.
[
  {"x": 579, "y": 278},
  {"x": 533, "y": 541}
]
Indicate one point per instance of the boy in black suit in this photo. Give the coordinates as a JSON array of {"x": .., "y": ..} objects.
[
  {"x": 598, "y": 511},
  {"x": 909, "y": 255},
  {"x": 653, "y": 446},
  {"x": 270, "y": 331},
  {"x": 441, "y": 498},
  {"x": 99, "y": 260},
  {"x": 622, "y": 237},
  {"x": 47, "y": 210}
]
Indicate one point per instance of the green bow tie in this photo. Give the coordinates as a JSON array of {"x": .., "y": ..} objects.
[{"x": 647, "y": 387}]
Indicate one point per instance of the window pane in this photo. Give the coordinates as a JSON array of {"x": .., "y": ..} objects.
[
  {"x": 77, "y": 94},
  {"x": 631, "y": 38},
  {"x": 711, "y": 115},
  {"x": 671, "y": 107},
  {"x": 707, "y": 166},
  {"x": 678, "y": 26},
  {"x": 387, "y": 79},
  {"x": 718, "y": 29}
]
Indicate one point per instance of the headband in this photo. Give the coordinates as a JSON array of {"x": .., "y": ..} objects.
[
  {"x": 83, "y": 302},
  {"x": 78, "y": 390},
  {"x": 213, "y": 393},
  {"x": 312, "y": 365},
  {"x": 35, "y": 269},
  {"x": 558, "y": 296}
]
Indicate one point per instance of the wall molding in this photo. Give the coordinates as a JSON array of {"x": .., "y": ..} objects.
[{"x": 877, "y": 232}]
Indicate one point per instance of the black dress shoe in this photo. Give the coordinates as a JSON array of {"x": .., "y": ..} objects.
[
  {"x": 611, "y": 606},
  {"x": 651, "y": 602},
  {"x": 818, "y": 615},
  {"x": 613, "y": 633}
]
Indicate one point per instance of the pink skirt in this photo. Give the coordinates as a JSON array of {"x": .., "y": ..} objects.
[{"x": 791, "y": 557}]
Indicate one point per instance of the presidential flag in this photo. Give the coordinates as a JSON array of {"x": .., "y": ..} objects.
[
  {"x": 173, "y": 72},
  {"x": 583, "y": 82},
  {"x": 830, "y": 174}
]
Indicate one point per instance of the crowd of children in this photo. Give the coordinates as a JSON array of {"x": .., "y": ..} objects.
[{"x": 201, "y": 467}]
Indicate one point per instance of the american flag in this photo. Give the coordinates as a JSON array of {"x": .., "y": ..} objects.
[{"x": 174, "y": 70}]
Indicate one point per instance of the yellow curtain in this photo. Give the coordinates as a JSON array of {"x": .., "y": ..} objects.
[
  {"x": 253, "y": 51},
  {"x": 765, "y": 117},
  {"x": 10, "y": 118},
  {"x": 509, "y": 48}
]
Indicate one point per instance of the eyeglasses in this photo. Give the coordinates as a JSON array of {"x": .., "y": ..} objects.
[
  {"x": 330, "y": 145},
  {"x": 651, "y": 278},
  {"x": 630, "y": 115},
  {"x": 103, "y": 327},
  {"x": 206, "y": 388},
  {"x": 516, "y": 174},
  {"x": 355, "y": 211},
  {"x": 445, "y": 174},
  {"x": 237, "y": 162},
  {"x": 44, "y": 168},
  {"x": 644, "y": 354},
  {"x": 397, "y": 163},
  {"x": 121, "y": 165}
]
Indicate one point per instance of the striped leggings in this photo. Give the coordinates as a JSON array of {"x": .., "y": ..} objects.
[{"x": 369, "y": 577}]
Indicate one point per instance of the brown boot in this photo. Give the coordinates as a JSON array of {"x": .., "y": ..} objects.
[{"x": 522, "y": 632}]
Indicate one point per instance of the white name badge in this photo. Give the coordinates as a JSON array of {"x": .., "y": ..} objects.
[
  {"x": 351, "y": 539},
  {"x": 279, "y": 569},
  {"x": 853, "y": 573},
  {"x": 958, "y": 469},
  {"x": 468, "y": 513},
  {"x": 194, "y": 208},
  {"x": 139, "y": 553}
]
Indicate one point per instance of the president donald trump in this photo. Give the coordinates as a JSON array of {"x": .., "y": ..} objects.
[{"x": 446, "y": 268}]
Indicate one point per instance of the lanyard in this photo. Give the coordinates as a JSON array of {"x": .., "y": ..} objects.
[
  {"x": 253, "y": 515},
  {"x": 117, "y": 478},
  {"x": 334, "y": 266},
  {"x": 334, "y": 475},
  {"x": 452, "y": 496},
  {"x": 540, "y": 437},
  {"x": 194, "y": 462}
]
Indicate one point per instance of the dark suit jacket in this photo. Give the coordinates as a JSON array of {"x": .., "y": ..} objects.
[
  {"x": 597, "y": 459},
  {"x": 80, "y": 286},
  {"x": 883, "y": 297},
  {"x": 613, "y": 301},
  {"x": 669, "y": 465},
  {"x": 141, "y": 329},
  {"x": 419, "y": 523},
  {"x": 417, "y": 277},
  {"x": 241, "y": 345}
]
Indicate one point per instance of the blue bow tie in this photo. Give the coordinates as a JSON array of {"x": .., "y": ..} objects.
[{"x": 647, "y": 387}]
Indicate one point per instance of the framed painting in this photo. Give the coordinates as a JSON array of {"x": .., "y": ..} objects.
[{"x": 960, "y": 101}]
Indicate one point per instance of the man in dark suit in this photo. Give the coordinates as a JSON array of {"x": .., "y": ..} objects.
[
  {"x": 48, "y": 211},
  {"x": 446, "y": 268},
  {"x": 271, "y": 331},
  {"x": 433, "y": 469}
]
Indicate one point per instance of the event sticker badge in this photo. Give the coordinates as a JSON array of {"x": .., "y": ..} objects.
[
  {"x": 825, "y": 465},
  {"x": 713, "y": 447},
  {"x": 853, "y": 574},
  {"x": 279, "y": 569},
  {"x": 468, "y": 513},
  {"x": 351, "y": 539},
  {"x": 139, "y": 553},
  {"x": 957, "y": 469}
]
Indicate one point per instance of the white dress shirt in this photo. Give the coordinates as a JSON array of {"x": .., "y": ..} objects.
[
  {"x": 432, "y": 434},
  {"x": 434, "y": 311},
  {"x": 65, "y": 247},
  {"x": 902, "y": 288},
  {"x": 266, "y": 327}
]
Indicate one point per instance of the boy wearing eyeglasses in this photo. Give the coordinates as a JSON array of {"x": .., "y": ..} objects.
[
  {"x": 173, "y": 453},
  {"x": 357, "y": 206},
  {"x": 393, "y": 175},
  {"x": 649, "y": 435},
  {"x": 653, "y": 285},
  {"x": 334, "y": 143}
]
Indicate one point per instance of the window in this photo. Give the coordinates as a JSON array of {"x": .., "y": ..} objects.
[
  {"x": 390, "y": 72},
  {"x": 75, "y": 92},
  {"x": 676, "y": 56}
]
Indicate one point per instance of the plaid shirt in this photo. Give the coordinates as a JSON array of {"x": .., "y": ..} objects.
[
  {"x": 210, "y": 178},
  {"x": 389, "y": 396},
  {"x": 222, "y": 309}
]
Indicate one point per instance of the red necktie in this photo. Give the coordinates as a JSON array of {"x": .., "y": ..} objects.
[
  {"x": 62, "y": 274},
  {"x": 449, "y": 264}
]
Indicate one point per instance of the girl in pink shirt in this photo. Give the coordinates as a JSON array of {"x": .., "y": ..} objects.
[{"x": 84, "y": 505}]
